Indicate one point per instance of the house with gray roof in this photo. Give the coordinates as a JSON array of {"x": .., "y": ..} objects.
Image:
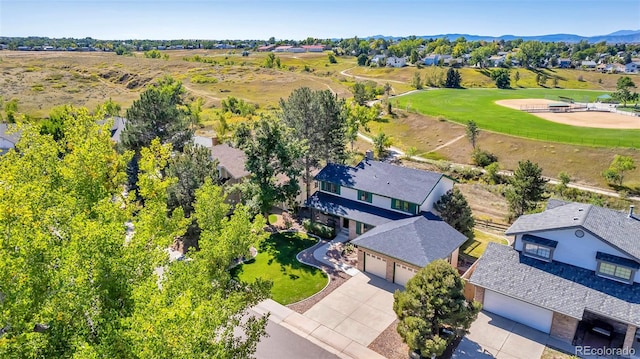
[
  {"x": 391, "y": 208},
  {"x": 396, "y": 250},
  {"x": 572, "y": 271}
]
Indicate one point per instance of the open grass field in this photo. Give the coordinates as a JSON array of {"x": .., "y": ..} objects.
[
  {"x": 42, "y": 80},
  {"x": 479, "y": 105},
  {"x": 276, "y": 261}
]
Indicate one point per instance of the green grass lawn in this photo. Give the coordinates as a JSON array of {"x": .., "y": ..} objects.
[
  {"x": 475, "y": 247},
  {"x": 276, "y": 261},
  {"x": 479, "y": 105}
]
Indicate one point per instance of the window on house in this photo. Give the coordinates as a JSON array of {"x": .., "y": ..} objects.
[
  {"x": 403, "y": 206},
  {"x": 538, "y": 247},
  {"x": 536, "y": 250},
  {"x": 362, "y": 227},
  {"x": 365, "y": 196},
  {"x": 615, "y": 267},
  {"x": 330, "y": 187}
]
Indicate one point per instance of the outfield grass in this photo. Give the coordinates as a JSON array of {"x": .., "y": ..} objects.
[
  {"x": 479, "y": 105},
  {"x": 276, "y": 261}
]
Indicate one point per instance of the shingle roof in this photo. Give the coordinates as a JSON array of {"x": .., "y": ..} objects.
[
  {"x": 416, "y": 240},
  {"x": 232, "y": 159},
  {"x": 12, "y": 137},
  {"x": 613, "y": 227},
  {"x": 354, "y": 210},
  {"x": 560, "y": 287},
  {"x": 403, "y": 183}
]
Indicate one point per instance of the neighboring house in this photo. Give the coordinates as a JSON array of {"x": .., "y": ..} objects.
[
  {"x": 231, "y": 167},
  {"x": 589, "y": 64},
  {"x": 313, "y": 48},
  {"x": 266, "y": 48},
  {"x": 205, "y": 141},
  {"x": 393, "y": 61},
  {"x": 398, "y": 249},
  {"x": 564, "y": 63},
  {"x": 496, "y": 60},
  {"x": 572, "y": 269},
  {"x": 389, "y": 207},
  {"x": 377, "y": 59},
  {"x": 8, "y": 138},
  {"x": 631, "y": 67},
  {"x": 118, "y": 126},
  {"x": 432, "y": 60}
]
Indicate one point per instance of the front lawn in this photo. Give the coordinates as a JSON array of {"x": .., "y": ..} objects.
[
  {"x": 276, "y": 261},
  {"x": 475, "y": 247}
]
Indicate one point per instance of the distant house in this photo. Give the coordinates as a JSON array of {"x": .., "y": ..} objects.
[
  {"x": 564, "y": 63},
  {"x": 632, "y": 67},
  {"x": 431, "y": 60},
  {"x": 572, "y": 271},
  {"x": 8, "y": 138},
  {"x": 496, "y": 60},
  {"x": 296, "y": 49},
  {"x": 284, "y": 48},
  {"x": 588, "y": 64},
  {"x": 377, "y": 60},
  {"x": 394, "y": 61},
  {"x": 313, "y": 48},
  {"x": 266, "y": 48}
]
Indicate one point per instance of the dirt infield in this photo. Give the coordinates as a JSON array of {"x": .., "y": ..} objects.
[{"x": 582, "y": 118}]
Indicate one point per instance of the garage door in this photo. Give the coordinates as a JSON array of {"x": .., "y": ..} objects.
[
  {"x": 403, "y": 274},
  {"x": 375, "y": 265},
  {"x": 521, "y": 312}
]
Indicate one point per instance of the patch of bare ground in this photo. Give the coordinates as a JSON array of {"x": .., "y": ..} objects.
[
  {"x": 485, "y": 204},
  {"x": 389, "y": 343},
  {"x": 583, "y": 163}
]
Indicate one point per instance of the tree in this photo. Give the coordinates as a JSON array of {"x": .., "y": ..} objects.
[
  {"x": 454, "y": 209},
  {"x": 110, "y": 108},
  {"x": 453, "y": 78},
  {"x": 501, "y": 77},
  {"x": 360, "y": 94},
  {"x": 381, "y": 142},
  {"x": 191, "y": 168},
  {"x": 272, "y": 151},
  {"x": 564, "y": 181},
  {"x": 160, "y": 112},
  {"x": 332, "y": 58},
  {"x": 11, "y": 110},
  {"x": 526, "y": 188},
  {"x": 320, "y": 119},
  {"x": 531, "y": 53},
  {"x": 362, "y": 59},
  {"x": 416, "y": 81},
  {"x": 623, "y": 92},
  {"x": 432, "y": 301},
  {"x": 516, "y": 77},
  {"x": 472, "y": 131},
  {"x": 358, "y": 116},
  {"x": 387, "y": 88},
  {"x": 83, "y": 286},
  {"x": 620, "y": 164}
]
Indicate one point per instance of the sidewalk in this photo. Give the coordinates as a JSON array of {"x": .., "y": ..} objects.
[
  {"x": 320, "y": 254},
  {"x": 315, "y": 332}
]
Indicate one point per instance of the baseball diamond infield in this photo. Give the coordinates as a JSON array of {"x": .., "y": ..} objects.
[{"x": 582, "y": 118}]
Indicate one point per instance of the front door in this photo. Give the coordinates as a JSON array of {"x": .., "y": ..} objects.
[{"x": 345, "y": 223}]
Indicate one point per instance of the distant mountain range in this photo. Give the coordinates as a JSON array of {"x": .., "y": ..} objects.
[{"x": 622, "y": 36}]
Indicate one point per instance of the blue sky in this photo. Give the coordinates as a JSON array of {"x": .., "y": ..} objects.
[{"x": 288, "y": 19}]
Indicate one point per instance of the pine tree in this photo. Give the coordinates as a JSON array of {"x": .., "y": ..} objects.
[
  {"x": 526, "y": 188},
  {"x": 454, "y": 209}
]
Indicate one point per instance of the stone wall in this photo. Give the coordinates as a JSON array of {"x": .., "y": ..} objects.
[
  {"x": 563, "y": 327},
  {"x": 630, "y": 336}
]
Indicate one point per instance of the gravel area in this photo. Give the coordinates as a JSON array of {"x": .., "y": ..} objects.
[
  {"x": 389, "y": 344},
  {"x": 337, "y": 277}
]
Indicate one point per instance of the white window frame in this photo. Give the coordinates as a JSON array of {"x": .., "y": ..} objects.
[
  {"x": 616, "y": 267},
  {"x": 535, "y": 254}
]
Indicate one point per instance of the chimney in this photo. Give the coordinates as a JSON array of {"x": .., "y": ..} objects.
[
  {"x": 368, "y": 155},
  {"x": 631, "y": 207}
]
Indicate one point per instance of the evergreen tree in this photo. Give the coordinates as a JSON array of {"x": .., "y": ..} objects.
[
  {"x": 526, "y": 188},
  {"x": 454, "y": 209},
  {"x": 453, "y": 78},
  {"x": 433, "y": 300}
]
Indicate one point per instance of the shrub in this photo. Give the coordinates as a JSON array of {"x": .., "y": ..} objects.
[
  {"x": 483, "y": 158},
  {"x": 319, "y": 229}
]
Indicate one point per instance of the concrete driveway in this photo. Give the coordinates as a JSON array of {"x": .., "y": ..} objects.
[
  {"x": 493, "y": 336},
  {"x": 360, "y": 309}
]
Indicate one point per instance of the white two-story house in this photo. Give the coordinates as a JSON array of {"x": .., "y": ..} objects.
[
  {"x": 572, "y": 272},
  {"x": 389, "y": 209}
]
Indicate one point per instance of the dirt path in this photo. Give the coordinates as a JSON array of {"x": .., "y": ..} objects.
[
  {"x": 448, "y": 143},
  {"x": 345, "y": 73}
]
